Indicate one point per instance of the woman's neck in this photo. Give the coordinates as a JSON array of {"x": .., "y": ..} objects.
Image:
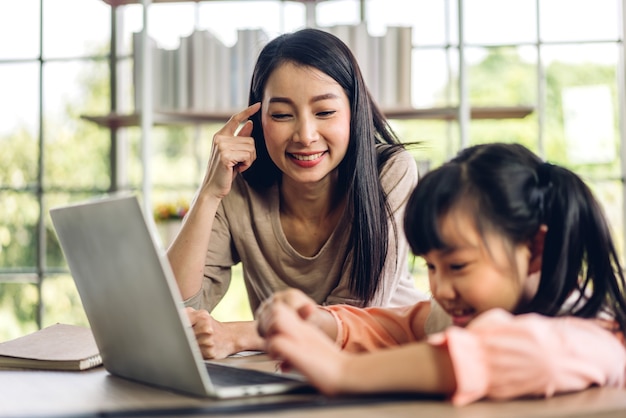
[
  {"x": 309, "y": 213},
  {"x": 310, "y": 200}
]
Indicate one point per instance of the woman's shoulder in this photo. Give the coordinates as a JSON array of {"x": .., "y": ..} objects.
[
  {"x": 399, "y": 170},
  {"x": 399, "y": 159}
]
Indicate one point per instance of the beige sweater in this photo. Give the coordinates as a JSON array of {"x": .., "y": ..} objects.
[{"x": 247, "y": 229}]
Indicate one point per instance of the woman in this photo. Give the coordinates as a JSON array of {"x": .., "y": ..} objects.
[{"x": 306, "y": 188}]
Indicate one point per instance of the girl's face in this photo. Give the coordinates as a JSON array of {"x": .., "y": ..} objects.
[
  {"x": 475, "y": 274},
  {"x": 306, "y": 122}
]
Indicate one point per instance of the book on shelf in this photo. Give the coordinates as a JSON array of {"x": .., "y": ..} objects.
[
  {"x": 205, "y": 75},
  {"x": 56, "y": 347}
]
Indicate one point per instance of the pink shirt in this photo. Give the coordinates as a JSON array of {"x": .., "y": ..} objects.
[{"x": 499, "y": 355}]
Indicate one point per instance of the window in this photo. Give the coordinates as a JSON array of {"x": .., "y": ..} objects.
[{"x": 562, "y": 59}]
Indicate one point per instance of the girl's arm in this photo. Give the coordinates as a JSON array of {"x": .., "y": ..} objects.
[
  {"x": 498, "y": 356},
  {"x": 502, "y": 356},
  {"x": 374, "y": 328},
  {"x": 352, "y": 329},
  {"x": 416, "y": 367}
]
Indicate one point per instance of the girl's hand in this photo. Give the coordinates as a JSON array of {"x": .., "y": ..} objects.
[
  {"x": 304, "y": 347},
  {"x": 232, "y": 152},
  {"x": 305, "y": 308}
]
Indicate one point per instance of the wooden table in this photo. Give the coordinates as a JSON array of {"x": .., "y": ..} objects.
[{"x": 97, "y": 393}]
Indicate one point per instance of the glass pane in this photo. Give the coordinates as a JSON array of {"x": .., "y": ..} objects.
[
  {"x": 19, "y": 100},
  {"x": 55, "y": 259},
  {"x": 346, "y": 12},
  {"x": 18, "y": 306},
  {"x": 60, "y": 32},
  {"x": 19, "y": 29},
  {"x": 428, "y": 19},
  {"x": 19, "y": 153},
  {"x": 125, "y": 86},
  {"x": 176, "y": 159},
  {"x": 18, "y": 230},
  {"x": 582, "y": 107},
  {"x": 502, "y": 76},
  {"x": 19, "y": 142},
  {"x": 576, "y": 20},
  {"x": 76, "y": 152},
  {"x": 522, "y": 131},
  {"x": 437, "y": 139},
  {"x": 609, "y": 193},
  {"x": 62, "y": 302},
  {"x": 168, "y": 22},
  {"x": 496, "y": 22},
  {"x": 433, "y": 81},
  {"x": 224, "y": 18}
]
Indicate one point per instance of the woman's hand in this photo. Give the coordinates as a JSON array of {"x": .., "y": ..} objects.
[
  {"x": 221, "y": 339},
  {"x": 232, "y": 152},
  {"x": 212, "y": 336}
]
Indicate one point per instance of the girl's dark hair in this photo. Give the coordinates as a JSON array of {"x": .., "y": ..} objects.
[
  {"x": 511, "y": 191},
  {"x": 359, "y": 171}
]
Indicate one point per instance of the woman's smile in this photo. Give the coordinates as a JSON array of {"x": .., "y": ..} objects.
[{"x": 306, "y": 160}]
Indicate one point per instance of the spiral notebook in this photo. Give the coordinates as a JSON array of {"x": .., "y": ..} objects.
[{"x": 56, "y": 347}]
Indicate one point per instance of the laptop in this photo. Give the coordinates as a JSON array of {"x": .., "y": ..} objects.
[{"x": 134, "y": 307}]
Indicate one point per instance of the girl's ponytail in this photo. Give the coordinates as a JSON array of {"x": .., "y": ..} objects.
[{"x": 579, "y": 258}]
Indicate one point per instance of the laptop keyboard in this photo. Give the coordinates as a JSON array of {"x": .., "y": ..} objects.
[{"x": 231, "y": 376}]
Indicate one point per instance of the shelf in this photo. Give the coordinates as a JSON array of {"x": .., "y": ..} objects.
[
  {"x": 451, "y": 113},
  {"x": 166, "y": 118},
  {"x": 163, "y": 118},
  {"x": 115, "y": 3}
]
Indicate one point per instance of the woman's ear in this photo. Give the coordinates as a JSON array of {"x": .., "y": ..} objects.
[{"x": 536, "y": 249}]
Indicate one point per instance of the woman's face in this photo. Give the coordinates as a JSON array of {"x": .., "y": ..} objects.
[
  {"x": 306, "y": 122},
  {"x": 476, "y": 273}
]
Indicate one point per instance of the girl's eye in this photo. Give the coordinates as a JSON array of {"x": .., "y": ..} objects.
[
  {"x": 430, "y": 266},
  {"x": 326, "y": 113},
  {"x": 458, "y": 266},
  {"x": 280, "y": 116}
]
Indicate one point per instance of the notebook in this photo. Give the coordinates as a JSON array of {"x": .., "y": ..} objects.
[
  {"x": 134, "y": 307},
  {"x": 55, "y": 347}
]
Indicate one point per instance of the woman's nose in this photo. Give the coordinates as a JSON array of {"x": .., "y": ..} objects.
[{"x": 306, "y": 131}]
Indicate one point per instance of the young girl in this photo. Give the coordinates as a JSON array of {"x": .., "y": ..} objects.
[
  {"x": 519, "y": 259},
  {"x": 306, "y": 188}
]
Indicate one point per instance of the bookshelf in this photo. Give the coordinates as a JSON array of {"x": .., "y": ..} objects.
[
  {"x": 158, "y": 116},
  {"x": 115, "y": 120}
]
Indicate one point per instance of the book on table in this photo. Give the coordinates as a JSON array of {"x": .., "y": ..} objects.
[{"x": 56, "y": 347}]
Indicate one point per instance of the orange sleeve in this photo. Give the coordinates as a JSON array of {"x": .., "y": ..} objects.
[
  {"x": 374, "y": 328},
  {"x": 502, "y": 356}
]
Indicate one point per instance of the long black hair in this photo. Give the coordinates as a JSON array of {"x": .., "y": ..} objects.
[
  {"x": 358, "y": 173},
  {"x": 513, "y": 192}
]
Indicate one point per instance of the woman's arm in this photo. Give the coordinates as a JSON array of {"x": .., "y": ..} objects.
[{"x": 232, "y": 152}]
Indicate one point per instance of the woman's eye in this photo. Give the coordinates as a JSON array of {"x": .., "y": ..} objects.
[
  {"x": 326, "y": 113},
  {"x": 458, "y": 266},
  {"x": 280, "y": 115}
]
